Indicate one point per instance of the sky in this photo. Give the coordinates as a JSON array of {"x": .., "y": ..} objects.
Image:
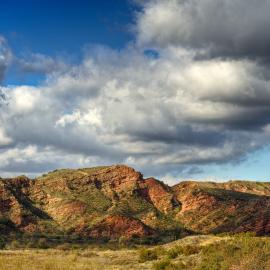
[{"x": 177, "y": 89}]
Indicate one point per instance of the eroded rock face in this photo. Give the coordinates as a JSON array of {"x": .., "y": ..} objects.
[
  {"x": 13, "y": 202},
  {"x": 117, "y": 226},
  {"x": 119, "y": 178},
  {"x": 160, "y": 195},
  {"x": 214, "y": 207}
]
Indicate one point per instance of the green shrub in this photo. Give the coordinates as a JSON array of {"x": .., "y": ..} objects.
[
  {"x": 14, "y": 244},
  {"x": 2, "y": 243},
  {"x": 182, "y": 250},
  {"x": 166, "y": 264},
  {"x": 190, "y": 249},
  {"x": 147, "y": 255},
  {"x": 173, "y": 253},
  {"x": 64, "y": 247},
  {"x": 123, "y": 241},
  {"x": 42, "y": 243},
  {"x": 243, "y": 252}
]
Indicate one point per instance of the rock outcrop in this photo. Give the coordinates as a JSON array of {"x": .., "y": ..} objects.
[
  {"x": 116, "y": 226},
  {"x": 222, "y": 207}
]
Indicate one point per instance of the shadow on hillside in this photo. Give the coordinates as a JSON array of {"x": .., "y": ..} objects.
[{"x": 28, "y": 204}]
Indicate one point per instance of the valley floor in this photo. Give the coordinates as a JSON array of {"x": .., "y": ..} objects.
[{"x": 241, "y": 252}]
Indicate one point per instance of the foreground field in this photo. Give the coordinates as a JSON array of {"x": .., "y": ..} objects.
[{"x": 242, "y": 252}]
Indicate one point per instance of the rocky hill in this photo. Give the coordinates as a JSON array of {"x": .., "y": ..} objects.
[{"x": 116, "y": 201}]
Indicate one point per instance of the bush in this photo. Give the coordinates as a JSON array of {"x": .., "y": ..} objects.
[
  {"x": 147, "y": 255},
  {"x": 64, "y": 247},
  {"x": 190, "y": 250},
  {"x": 166, "y": 264},
  {"x": 42, "y": 243},
  {"x": 173, "y": 253},
  {"x": 182, "y": 250},
  {"x": 14, "y": 244},
  {"x": 2, "y": 243},
  {"x": 123, "y": 241},
  {"x": 243, "y": 252}
]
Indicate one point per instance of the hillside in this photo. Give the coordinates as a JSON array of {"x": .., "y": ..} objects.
[{"x": 116, "y": 201}]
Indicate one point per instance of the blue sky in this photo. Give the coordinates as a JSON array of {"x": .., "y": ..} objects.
[
  {"x": 254, "y": 167},
  {"x": 52, "y": 27},
  {"x": 176, "y": 91},
  {"x": 63, "y": 28}
]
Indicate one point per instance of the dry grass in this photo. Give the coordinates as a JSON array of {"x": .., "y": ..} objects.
[
  {"x": 87, "y": 259},
  {"x": 205, "y": 253},
  {"x": 70, "y": 260}
]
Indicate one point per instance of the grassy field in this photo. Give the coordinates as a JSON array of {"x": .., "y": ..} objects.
[{"x": 241, "y": 252}]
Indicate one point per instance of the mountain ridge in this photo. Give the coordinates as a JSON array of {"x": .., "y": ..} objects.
[{"x": 111, "y": 202}]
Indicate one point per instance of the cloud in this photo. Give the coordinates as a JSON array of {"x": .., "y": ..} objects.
[
  {"x": 232, "y": 28},
  {"x": 145, "y": 112},
  {"x": 33, "y": 160},
  {"x": 4, "y": 139},
  {"x": 164, "y": 115},
  {"x": 39, "y": 63}
]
